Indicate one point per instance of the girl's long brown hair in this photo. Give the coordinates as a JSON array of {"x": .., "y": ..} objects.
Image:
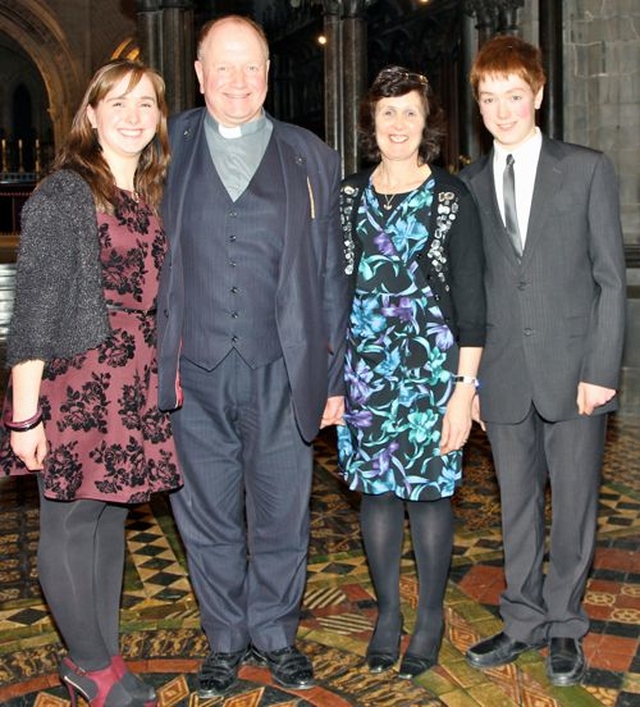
[{"x": 82, "y": 153}]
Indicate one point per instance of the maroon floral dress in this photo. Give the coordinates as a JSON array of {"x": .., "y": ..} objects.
[{"x": 107, "y": 439}]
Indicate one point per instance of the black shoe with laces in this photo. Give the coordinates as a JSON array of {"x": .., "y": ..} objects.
[
  {"x": 288, "y": 667},
  {"x": 219, "y": 673}
]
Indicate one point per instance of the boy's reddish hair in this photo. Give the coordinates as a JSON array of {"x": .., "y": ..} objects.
[{"x": 505, "y": 54}]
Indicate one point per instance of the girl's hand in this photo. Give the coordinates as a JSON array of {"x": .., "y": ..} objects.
[{"x": 30, "y": 447}]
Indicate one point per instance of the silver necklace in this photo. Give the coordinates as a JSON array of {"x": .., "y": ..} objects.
[{"x": 388, "y": 201}]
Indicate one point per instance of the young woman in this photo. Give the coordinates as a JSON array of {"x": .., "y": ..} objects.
[{"x": 81, "y": 408}]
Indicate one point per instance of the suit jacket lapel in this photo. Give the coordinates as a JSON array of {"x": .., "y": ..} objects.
[
  {"x": 180, "y": 172},
  {"x": 547, "y": 184},
  {"x": 296, "y": 199},
  {"x": 485, "y": 193}
]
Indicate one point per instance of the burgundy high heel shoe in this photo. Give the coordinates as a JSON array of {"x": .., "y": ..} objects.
[
  {"x": 100, "y": 688},
  {"x": 132, "y": 683}
]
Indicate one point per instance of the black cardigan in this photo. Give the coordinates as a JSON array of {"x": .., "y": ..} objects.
[
  {"x": 453, "y": 260},
  {"x": 60, "y": 309}
]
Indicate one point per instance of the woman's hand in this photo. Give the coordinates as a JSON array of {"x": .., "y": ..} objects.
[
  {"x": 457, "y": 419},
  {"x": 30, "y": 447}
]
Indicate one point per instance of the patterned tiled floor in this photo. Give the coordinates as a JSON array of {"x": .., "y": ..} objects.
[{"x": 162, "y": 639}]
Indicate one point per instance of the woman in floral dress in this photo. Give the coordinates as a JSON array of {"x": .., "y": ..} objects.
[
  {"x": 81, "y": 405},
  {"x": 416, "y": 333}
]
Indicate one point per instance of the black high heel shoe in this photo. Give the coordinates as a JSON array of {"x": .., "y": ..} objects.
[
  {"x": 382, "y": 659},
  {"x": 414, "y": 664}
]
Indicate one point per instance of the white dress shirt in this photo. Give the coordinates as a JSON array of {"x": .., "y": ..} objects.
[{"x": 525, "y": 166}]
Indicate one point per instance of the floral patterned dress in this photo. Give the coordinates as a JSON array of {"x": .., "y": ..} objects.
[
  {"x": 107, "y": 439},
  {"x": 401, "y": 359}
]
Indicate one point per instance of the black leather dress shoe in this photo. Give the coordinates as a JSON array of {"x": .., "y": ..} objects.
[
  {"x": 497, "y": 650},
  {"x": 288, "y": 667},
  {"x": 566, "y": 664},
  {"x": 219, "y": 673}
]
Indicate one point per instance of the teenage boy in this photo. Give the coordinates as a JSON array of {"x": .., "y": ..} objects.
[{"x": 555, "y": 286}]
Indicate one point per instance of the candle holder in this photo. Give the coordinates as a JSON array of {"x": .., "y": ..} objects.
[
  {"x": 38, "y": 163},
  {"x": 20, "y": 161}
]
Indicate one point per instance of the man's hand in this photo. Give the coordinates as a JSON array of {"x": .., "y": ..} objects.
[
  {"x": 333, "y": 411},
  {"x": 591, "y": 396},
  {"x": 476, "y": 414}
]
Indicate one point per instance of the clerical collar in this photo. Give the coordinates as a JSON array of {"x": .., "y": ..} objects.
[{"x": 237, "y": 130}]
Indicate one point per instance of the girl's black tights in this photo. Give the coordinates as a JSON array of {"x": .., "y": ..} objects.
[{"x": 80, "y": 567}]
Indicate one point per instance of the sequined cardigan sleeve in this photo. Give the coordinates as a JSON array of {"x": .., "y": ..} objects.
[
  {"x": 453, "y": 260},
  {"x": 59, "y": 307}
]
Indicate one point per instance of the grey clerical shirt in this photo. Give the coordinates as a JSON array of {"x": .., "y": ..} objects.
[{"x": 236, "y": 152}]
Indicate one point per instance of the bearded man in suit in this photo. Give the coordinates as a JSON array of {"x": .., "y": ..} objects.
[
  {"x": 556, "y": 297},
  {"x": 253, "y": 310}
]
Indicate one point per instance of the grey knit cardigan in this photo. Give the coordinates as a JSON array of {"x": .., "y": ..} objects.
[{"x": 59, "y": 307}]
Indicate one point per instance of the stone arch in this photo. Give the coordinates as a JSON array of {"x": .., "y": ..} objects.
[{"x": 37, "y": 31}]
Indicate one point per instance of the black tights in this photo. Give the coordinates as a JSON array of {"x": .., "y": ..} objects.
[
  {"x": 431, "y": 523},
  {"x": 80, "y": 567}
]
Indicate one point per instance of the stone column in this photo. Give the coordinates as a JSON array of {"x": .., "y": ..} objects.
[
  {"x": 552, "y": 109},
  {"x": 345, "y": 76},
  {"x": 469, "y": 121},
  {"x": 149, "y": 32},
  {"x": 508, "y": 16},
  {"x": 333, "y": 76},
  {"x": 486, "y": 14},
  {"x": 178, "y": 53},
  {"x": 354, "y": 72}
]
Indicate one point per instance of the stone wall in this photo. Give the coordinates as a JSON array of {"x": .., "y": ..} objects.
[
  {"x": 601, "y": 79},
  {"x": 602, "y": 90},
  {"x": 602, "y": 110}
]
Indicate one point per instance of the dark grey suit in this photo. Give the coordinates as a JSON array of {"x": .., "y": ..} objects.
[
  {"x": 253, "y": 307},
  {"x": 554, "y": 318}
]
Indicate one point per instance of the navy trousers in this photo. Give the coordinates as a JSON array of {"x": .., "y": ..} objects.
[{"x": 243, "y": 513}]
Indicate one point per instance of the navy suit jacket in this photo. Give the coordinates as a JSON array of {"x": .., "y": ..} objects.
[
  {"x": 312, "y": 299},
  {"x": 555, "y": 317}
]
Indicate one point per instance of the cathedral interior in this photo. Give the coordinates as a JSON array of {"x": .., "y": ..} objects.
[{"x": 324, "y": 54}]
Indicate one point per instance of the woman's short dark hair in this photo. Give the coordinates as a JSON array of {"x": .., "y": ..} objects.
[{"x": 397, "y": 81}]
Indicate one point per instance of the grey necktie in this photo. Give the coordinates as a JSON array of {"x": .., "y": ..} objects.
[{"x": 510, "y": 213}]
